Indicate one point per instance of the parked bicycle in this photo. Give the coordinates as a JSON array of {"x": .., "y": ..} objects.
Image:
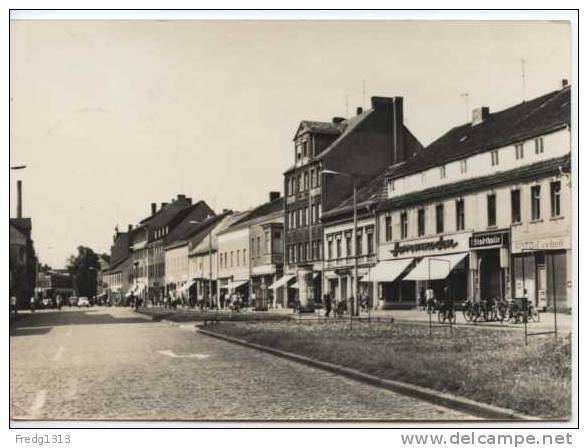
[{"x": 446, "y": 313}]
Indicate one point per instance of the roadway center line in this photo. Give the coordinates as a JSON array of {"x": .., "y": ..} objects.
[
  {"x": 38, "y": 403},
  {"x": 59, "y": 353}
]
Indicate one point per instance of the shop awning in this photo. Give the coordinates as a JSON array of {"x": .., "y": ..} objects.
[
  {"x": 186, "y": 286},
  {"x": 282, "y": 281},
  {"x": 386, "y": 271},
  {"x": 235, "y": 284},
  {"x": 435, "y": 268}
]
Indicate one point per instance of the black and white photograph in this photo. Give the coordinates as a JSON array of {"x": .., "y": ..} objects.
[{"x": 291, "y": 219}]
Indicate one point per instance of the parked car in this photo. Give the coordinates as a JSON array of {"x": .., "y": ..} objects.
[
  {"x": 73, "y": 301},
  {"x": 83, "y": 301}
]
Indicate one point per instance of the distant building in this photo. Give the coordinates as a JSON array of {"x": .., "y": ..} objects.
[
  {"x": 22, "y": 257},
  {"x": 148, "y": 244},
  {"x": 52, "y": 283}
]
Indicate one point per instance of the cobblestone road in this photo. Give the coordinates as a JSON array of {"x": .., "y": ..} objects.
[{"x": 109, "y": 363}]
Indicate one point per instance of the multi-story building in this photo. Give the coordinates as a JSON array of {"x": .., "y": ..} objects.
[
  {"x": 22, "y": 257},
  {"x": 117, "y": 277},
  {"x": 148, "y": 243},
  {"x": 179, "y": 281},
  {"x": 484, "y": 211},
  {"x": 203, "y": 262},
  {"x": 52, "y": 283},
  {"x": 358, "y": 148}
]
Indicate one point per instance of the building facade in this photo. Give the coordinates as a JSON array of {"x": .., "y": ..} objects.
[
  {"x": 484, "y": 211},
  {"x": 52, "y": 283},
  {"x": 357, "y": 148}
]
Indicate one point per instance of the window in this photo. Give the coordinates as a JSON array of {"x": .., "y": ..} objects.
[
  {"x": 300, "y": 252},
  {"x": 253, "y": 247},
  {"x": 238, "y": 257},
  {"x": 388, "y": 228},
  {"x": 348, "y": 245},
  {"x": 494, "y": 157},
  {"x": 298, "y": 183},
  {"x": 258, "y": 246},
  {"x": 318, "y": 250},
  {"x": 305, "y": 181},
  {"x": 491, "y": 204},
  {"x": 318, "y": 177},
  {"x": 304, "y": 149},
  {"x": 536, "y": 202},
  {"x": 268, "y": 238},
  {"x": 515, "y": 206},
  {"x": 439, "y": 218},
  {"x": 539, "y": 145},
  {"x": 231, "y": 258},
  {"x": 308, "y": 256},
  {"x": 519, "y": 154},
  {"x": 359, "y": 245},
  {"x": 555, "y": 199},
  {"x": 338, "y": 248},
  {"x": 370, "y": 243},
  {"x": 319, "y": 211},
  {"x": 391, "y": 187},
  {"x": 421, "y": 221},
  {"x": 244, "y": 257},
  {"x": 330, "y": 249},
  {"x": 403, "y": 225},
  {"x": 312, "y": 178},
  {"x": 463, "y": 166},
  {"x": 442, "y": 172},
  {"x": 298, "y": 217},
  {"x": 459, "y": 215}
]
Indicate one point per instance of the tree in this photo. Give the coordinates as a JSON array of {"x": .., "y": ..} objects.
[{"x": 84, "y": 269}]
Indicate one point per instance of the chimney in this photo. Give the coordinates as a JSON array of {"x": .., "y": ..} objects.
[
  {"x": 479, "y": 115},
  {"x": 564, "y": 83},
  {"x": 359, "y": 111},
  {"x": 337, "y": 120},
  {"x": 153, "y": 208},
  {"x": 274, "y": 196},
  {"x": 163, "y": 204},
  {"x": 130, "y": 227},
  {"x": 19, "y": 199}
]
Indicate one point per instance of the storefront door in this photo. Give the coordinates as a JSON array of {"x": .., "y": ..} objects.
[{"x": 490, "y": 275}]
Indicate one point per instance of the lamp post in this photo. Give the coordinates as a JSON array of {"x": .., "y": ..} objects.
[{"x": 354, "y": 178}]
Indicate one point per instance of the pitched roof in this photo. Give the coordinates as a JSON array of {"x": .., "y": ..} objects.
[
  {"x": 526, "y": 120},
  {"x": 368, "y": 194},
  {"x": 261, "y": 211},
  {"x": 167, "y": 213},
  {"x": 524, "y": 173},
  {"x": 186, "y": 226},
  {"x": 347, "y": 126},
  {"x": 320, "y": 127}
]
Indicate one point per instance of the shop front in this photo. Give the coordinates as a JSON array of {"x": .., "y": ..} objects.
[
  {"x": 542, "y": 268},
  {"x": 490, "y": 265},
  {"x": 409, "y": 267}
]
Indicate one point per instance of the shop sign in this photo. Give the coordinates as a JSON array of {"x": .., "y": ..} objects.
[
  {"x": 485, "y": 240},
  {"x": 540, "y": 244},
  {"x": 420, "y": 248}
]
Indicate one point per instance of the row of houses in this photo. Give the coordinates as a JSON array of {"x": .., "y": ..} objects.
[{"x": 483, "y": 212}]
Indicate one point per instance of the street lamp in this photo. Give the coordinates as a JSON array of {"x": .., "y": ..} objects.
[{"x": 354, "y": 177}]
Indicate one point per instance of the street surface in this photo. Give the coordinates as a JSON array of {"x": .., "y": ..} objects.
[{"x": 111, "y": 363}]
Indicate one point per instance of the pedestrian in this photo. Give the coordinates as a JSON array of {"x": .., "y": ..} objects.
[
  {"x": 58, "y": 302},
  {"x": 422, "y": 299},
  {"x": 13, "y": 305},
  {"x": 32, "y": 304},
  {"x": 328, "y": 304}
]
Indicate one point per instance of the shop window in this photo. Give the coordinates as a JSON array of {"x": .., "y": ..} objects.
[
  {"x": 519, "y": 154},
  {"x": 439, "y": 214},
  {"x": 459, "y": 215},
  {"x": 403, "y": 225},
  {"x": 421, "y": 221},
  {"x": 555, "y": 199},
  {"x": 515, "y": 206},
  {"x": 388, "y": 228},
  {"x": 536, "y": 202},
  {"x": 539, "y": 145},
  {"x": 491, "y": 205}
]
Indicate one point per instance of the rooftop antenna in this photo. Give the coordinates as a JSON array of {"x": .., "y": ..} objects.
[
  {"x": 363, "y": 93},
  {"x": 523, "y": 79},
  {"x": 466, "y": 97}
]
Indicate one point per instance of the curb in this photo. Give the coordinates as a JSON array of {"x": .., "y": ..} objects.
[{"x": 476, "y": 408}]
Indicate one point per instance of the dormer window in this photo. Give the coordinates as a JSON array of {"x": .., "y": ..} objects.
[{"x": 305, "y": 149}]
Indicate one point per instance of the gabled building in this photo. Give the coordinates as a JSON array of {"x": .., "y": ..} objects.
[
  {"x": 357, "y": 148},
  {"x": 148, "y": 244},
  {"x": 118, "y": 277},
  {"x": 483, "y": 212}
]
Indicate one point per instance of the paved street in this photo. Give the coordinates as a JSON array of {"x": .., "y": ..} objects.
[{"x": 110, "y": 363}]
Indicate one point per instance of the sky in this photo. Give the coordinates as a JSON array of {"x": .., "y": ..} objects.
[{"x": 110, "y": 116}]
